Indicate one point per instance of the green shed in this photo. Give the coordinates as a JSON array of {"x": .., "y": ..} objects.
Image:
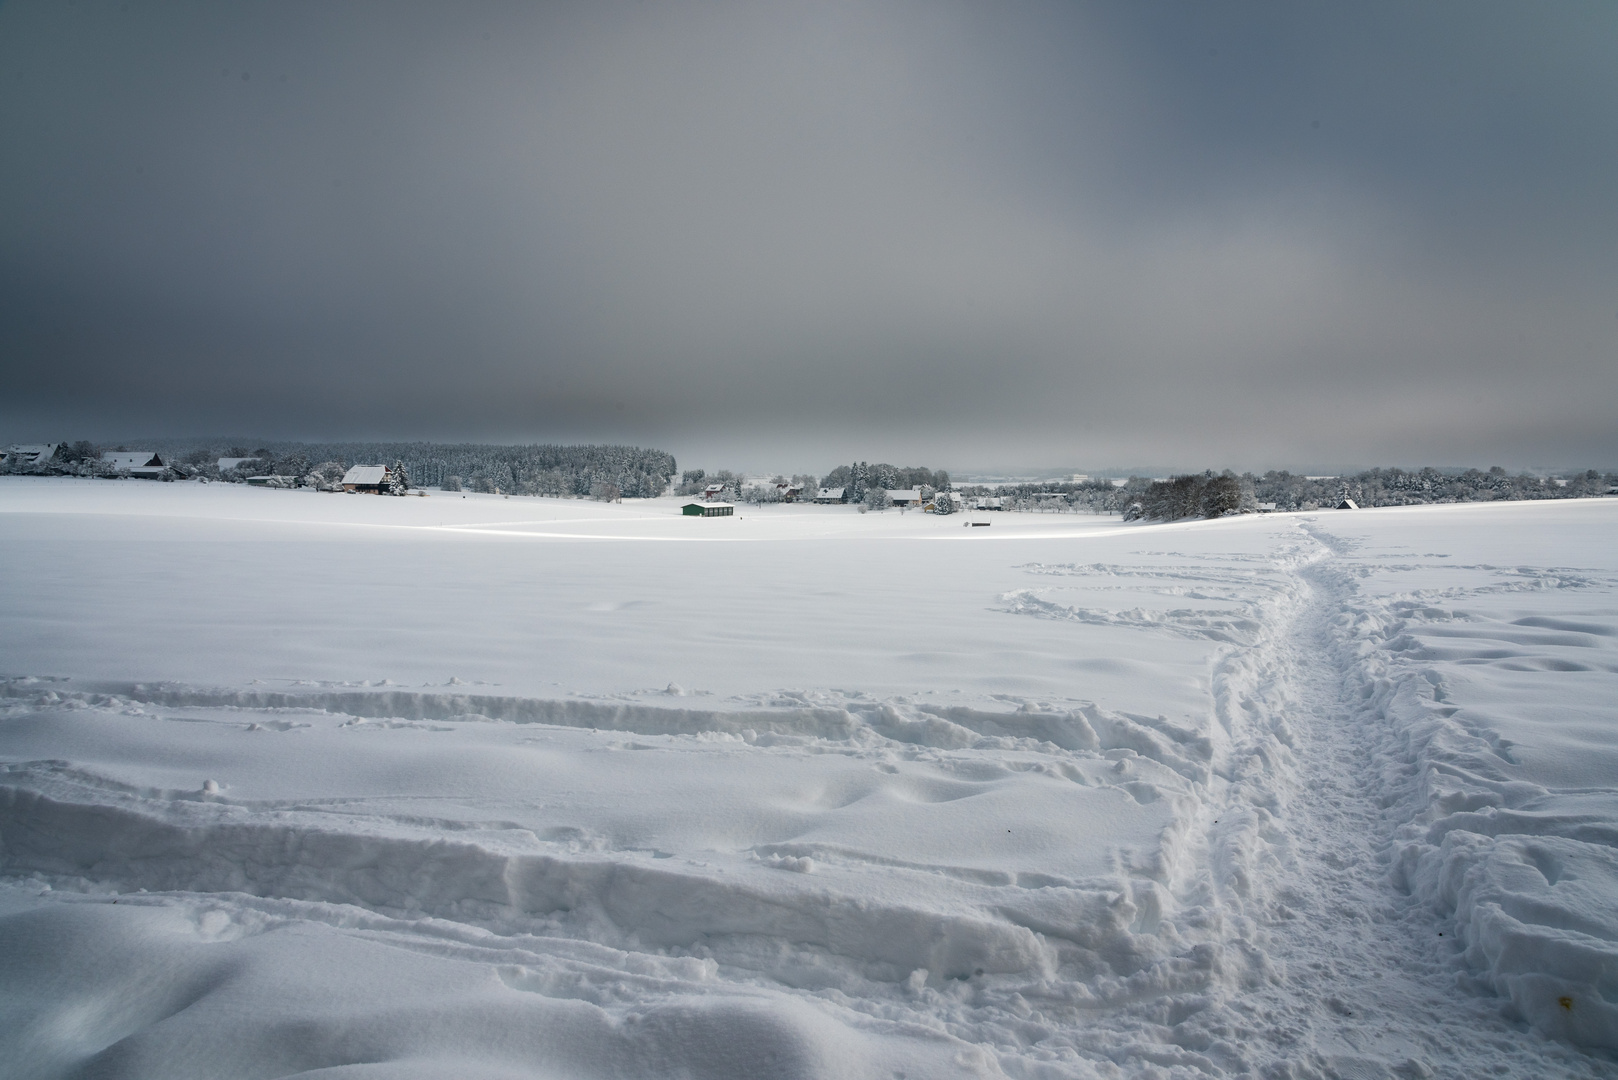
[{"x": 707, "y": 509}]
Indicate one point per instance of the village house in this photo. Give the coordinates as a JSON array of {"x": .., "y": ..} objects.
[
  {"x": 144, "y": 464},
  {"x": 905, "y": 497},
  {"x": 830, "y": 495},
  {"x": 712, "y": 492},
  {"x": 368, "y": 479}
]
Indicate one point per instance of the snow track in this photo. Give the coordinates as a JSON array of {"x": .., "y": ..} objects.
[
  {"x": 1291, "y": 831},
  {"x": 1355, "y": 976}
]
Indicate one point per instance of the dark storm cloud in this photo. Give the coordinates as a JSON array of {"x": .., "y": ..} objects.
[{"x": 1181, "y": 233}]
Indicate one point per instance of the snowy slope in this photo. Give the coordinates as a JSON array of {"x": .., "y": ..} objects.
[{"x": 478, "y": 786}]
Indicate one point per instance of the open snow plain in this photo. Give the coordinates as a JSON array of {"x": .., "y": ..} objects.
[{"x": 294, "y": 783}]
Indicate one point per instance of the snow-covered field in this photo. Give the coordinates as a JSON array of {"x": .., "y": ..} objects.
[{"x": 294, "y": 783}]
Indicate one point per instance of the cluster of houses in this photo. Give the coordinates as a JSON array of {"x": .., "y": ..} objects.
[
  {"x": 896, "y": 497},
  {"x": 148, "y": 465},
  {"x": 145, "y": 464},
  {"x": 359, "y": 479},
  {"x": 712, "y": 503},
  {"x": 785, "y": 491}
]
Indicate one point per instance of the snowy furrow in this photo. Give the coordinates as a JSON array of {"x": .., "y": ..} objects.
[
  {"x": 923, "y": 724},
  {"x": 194, "y": 987},
  {"x": 606, "y": 898}
]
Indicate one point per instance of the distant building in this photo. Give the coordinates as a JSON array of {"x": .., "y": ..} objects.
[
  {"x": 140, "y": 463},
  {"x": 788, "y": 492},
  {"x": 707, "y": 509},
  {"x": 28, "y": 453},
  {"x": 905, "y": 497},
  {"x": 368, "y": 479},
  {"x": 830, "y": 495},
  {"x": 1348, "y": 504},
  {"x": 1266, "y": 508},
  {"x": 712, "y": 492}
]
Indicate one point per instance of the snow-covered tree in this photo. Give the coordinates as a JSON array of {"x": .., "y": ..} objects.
[{"x": 1221, "y": 495}]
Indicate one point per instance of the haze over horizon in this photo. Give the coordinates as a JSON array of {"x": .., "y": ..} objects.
[{"x": 772, "y": 237}]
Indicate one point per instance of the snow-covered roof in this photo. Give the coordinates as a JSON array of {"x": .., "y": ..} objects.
[
  {"x": 131, "y": 459},
  {"x": 905, "y": 495},
  {"x": 29, "y": 452},
  {"x": 366, "y": 474},
  {"x": 829, "y": 493}
]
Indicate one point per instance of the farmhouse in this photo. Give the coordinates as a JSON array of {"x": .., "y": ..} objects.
[
  {"x": 905, "y": 497},
  {"x": 28, "y": 453},
  {"x": 707, "y": 509},
  {"x": 367, "y": 479},
  {"x": 712, "y": 492},
  {"x": 142, "y": 463},
  {"x": 830, "y": 495}
]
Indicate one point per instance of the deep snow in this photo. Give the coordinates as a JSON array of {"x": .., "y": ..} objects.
[{"x": 478, "y": 786}]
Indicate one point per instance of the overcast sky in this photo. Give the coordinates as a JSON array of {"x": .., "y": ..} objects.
[{"x": 784, "y": 235}]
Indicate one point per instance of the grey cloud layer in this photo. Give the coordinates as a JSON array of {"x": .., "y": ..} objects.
[{"x": 1234, "y": 234}]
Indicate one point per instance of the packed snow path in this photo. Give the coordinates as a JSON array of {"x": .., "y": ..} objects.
[
  {"x": 1303, "y": 796},
  {"x": 1353, "y": 976}
]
